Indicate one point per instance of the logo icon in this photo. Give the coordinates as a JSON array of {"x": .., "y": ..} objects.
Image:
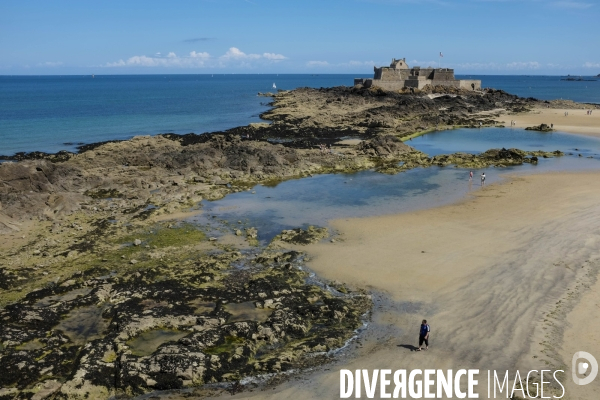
[{"x": 580, "y": 367}]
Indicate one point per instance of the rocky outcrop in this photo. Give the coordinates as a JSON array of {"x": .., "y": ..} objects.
[
  {"x": 384, "y": 146},
  {"x": 494, "y": 157},
  {"x": 207, "y": 321},
  {"x": 308, "y": 115},
  {"x": 302, "y": 236},
  {"x": 539, "y": 128}
]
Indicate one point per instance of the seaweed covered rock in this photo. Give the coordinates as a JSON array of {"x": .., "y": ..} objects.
[
  {"x": 302, "y": 236},
  {"x": 493, "y": 157},
  {"x": 166, "y": 326},
  {"x": 384, "y": 146},
  {"x": 539, "y": 128}
]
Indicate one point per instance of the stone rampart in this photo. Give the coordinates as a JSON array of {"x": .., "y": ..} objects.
[{"x": 399, "y": 76}]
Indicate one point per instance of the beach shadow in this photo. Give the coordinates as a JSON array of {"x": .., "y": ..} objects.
[{"x": 409, "y": 347}]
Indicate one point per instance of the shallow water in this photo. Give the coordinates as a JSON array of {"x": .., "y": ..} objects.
[
  {"x": 479, "y": 140},
  {"x": 84, "y": 324},
  {"x": 72, "y": 295},
  {"x": 319, "y": 199},
  {"x": 246, "y": 312},
  {"x": 34, "y": 344},
  {"x": 202, "y": 307},
  {"x": 148, "y": 342}
]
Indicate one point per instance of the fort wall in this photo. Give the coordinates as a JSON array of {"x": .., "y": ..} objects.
[{"x": 399, "y": 76}]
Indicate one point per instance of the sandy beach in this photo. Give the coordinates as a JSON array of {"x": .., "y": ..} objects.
[
  {"x": 577, "y": 121},
  {"x": 486, "y": 270},
  {"x": 506, "y": 279}
]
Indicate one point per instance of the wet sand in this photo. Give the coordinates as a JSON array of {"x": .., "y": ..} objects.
[
  {"x": 503, "y": 277},
  {"x": 576, "y": 122}
]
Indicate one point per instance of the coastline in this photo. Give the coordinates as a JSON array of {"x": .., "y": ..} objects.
[
  {"x": 71, "y": 204},
  {"x": 577, "y": 121},
  {"x": 504, "y": 277}
]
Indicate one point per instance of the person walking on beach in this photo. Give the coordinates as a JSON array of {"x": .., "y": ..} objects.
[
  {"x": 424, "y": 335},
  {"x": 470, "y": 175},
  {"x": 483, "y": 179}
]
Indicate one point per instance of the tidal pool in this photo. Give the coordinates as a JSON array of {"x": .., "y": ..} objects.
[
  {"x": 479, "y": 140},
  {"x": 202, "y": 307},
  {"x": 319, "y": 199},
  {"x": 148, "y": 342},
  {"x": 84, "y": 324},
  {"x": 72, "y": 295},
  {"x": 246, "y": 312},
  {"x": 34, "y": 344}
]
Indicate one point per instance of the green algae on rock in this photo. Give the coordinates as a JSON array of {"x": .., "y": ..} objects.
[
  {"x": 302, "y": 236},
  {"x": 540, "y": 128},
  {"x": 177, "y": 319}
]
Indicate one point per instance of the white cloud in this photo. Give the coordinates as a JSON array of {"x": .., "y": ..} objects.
[
  {"x": 523, "y": 65},
  {"x": 171, "y": 60},
  {"x": 198, "y": 60},
  {"x": 274, "y": 57},
  {"x": 157, "y": 61},
  {"x": 52, "y": 64},
  {"x": 237, "y": 54},
  {"x": 591, "y": 65},
  {"x": 203, "y": 55},
  {"x": 360, "y": 63},
  {"x": 317, "y": 64},
  {"x": 480, "y": 66}
]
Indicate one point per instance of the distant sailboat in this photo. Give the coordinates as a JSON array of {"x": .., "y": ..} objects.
[
  {"x": 93, "y": 76},
  {"x": 274, "y": 86}
]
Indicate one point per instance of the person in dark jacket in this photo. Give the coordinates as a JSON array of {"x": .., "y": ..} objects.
[{"x": 424, "y": 335}]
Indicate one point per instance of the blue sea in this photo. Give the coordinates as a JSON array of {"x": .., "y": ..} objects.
[{"x": 53, "y": 113}]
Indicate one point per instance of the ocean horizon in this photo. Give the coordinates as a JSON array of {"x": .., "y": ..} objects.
[{"x": 51, "y": 113}]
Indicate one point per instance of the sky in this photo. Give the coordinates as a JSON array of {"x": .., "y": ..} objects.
[{"x": 492, "y": 37}]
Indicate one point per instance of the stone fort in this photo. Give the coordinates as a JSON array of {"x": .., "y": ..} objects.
[{"x": 399, "y": 76}]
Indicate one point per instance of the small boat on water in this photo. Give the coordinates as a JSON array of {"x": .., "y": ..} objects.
[{"x": 274, "y": 86}]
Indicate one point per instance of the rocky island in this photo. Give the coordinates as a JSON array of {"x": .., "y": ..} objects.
[{"x": 106, "y": 289}]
